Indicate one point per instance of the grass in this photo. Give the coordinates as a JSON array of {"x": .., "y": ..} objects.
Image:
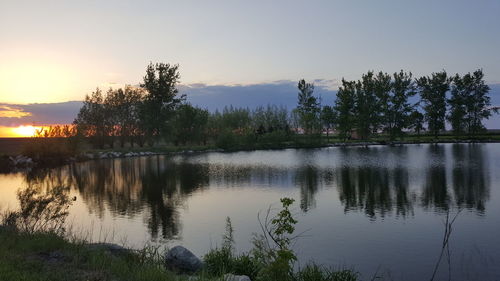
[{"x": 45, "y": 256}]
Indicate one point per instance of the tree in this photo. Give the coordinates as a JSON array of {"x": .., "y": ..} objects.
[
  {"x": 416, "y": 121},
  {"x": 478, "y": 102},
  {"x": 92, "y": 118},
  {"x": 399, "y": 107},
  {"x": 308, "y": 107},
  {"x": 469, "y": 103},
  {"x": 328, "y": 118},
  {"x": 433, "y": 95},
  {"x": 382, "y": 88},
  {"x": 190, "y": 124},
  {"x": 344, "y": 108},
  {"x": 123, "y": 107},
  {"x": 365, "y": 106},
  {"x": 160, "y": 83}
]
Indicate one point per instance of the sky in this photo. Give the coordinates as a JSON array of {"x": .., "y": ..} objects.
[{"x": 58, "y": 51}]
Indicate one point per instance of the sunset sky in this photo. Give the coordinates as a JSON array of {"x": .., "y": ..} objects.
[{"x": 57, "y": 51}]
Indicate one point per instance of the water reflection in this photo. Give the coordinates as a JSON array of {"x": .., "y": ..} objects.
[
  {"x": 377, "y": 181},
  {"x": 470, "y": 177}
]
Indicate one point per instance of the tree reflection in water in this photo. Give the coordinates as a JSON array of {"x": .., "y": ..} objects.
[{"x": 376, "y": 181}]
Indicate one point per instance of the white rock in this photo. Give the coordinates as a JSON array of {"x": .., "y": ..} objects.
[{"x": 232, "y": 277}]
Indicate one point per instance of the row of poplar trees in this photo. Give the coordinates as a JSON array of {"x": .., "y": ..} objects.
[
  {"x": 377, "y": 104},
  {"x": 380, "y": 103}
]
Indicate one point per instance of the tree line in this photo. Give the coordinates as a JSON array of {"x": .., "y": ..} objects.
[{"x": 377, "y": 104}]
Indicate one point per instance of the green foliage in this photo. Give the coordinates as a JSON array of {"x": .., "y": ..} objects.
[
  {"x": 416, "y": 121},
  {"x": 328, "y": 118},
  {"x": 399, "y": 107},
  {"x": 161, "y": 100},
  {"x": 190, "y": 124},
  {"x": 272, "y": 248},
  {"x": 433, "y": 91},
  {"x": 345, "y": 108},
  {"x": 308, "y": 108},
  {"x": 313, "y": 272},
  {"x": 469, "y": 103},
  {"x": 220, "y": 261},
  {"x": 40, "y": 211}
]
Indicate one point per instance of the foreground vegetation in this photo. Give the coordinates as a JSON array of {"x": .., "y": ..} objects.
[{"x": 34, "y": 245}]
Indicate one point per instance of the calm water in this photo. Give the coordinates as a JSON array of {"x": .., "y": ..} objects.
[{"x": 377, "y": 209}]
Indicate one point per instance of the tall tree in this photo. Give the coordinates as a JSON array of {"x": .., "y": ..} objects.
[
  {"x": 433, "y": 91},
  {"x": 91, "y": 120},
  {"x": 469, "y": 103},
  {"x": 365, "y": 106},
  {"x": 344, "y": 108},
  {"x": 308, "y": 107},
  {"x": 382, "y": 88},
  {"x": 416, "y": 122},
  {"x": 328, "y": 118},
  {"x": 477, "y": 102},
  {"x": 399, "y": 107},
  {"x": 190, "y": 124},
  {"x": 160, "y": 83}
]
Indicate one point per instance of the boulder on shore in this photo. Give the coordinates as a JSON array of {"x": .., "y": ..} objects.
[
  {"x": 110, "y": 248},
  {"x": 181, "y": 260},
  {"x": 232, "y": 277}
]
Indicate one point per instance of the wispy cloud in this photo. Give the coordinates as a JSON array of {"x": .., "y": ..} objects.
[{"x": 8, "y": 111}]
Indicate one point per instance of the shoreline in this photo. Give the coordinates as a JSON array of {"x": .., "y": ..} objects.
[{"x": 19, "y": 163}]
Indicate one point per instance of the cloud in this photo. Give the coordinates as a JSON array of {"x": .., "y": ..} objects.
[
  {"x": 38, "y": 113},
  {"x": 282, "y": 93},
  {"x": 211, "y": 97},
  {"x": 7, "y": 111}
]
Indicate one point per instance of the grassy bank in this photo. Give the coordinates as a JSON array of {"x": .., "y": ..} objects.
[{"x": 45, "y": 256}]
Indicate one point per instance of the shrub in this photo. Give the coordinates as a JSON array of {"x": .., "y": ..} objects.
[
  {"x": 40, "y": 211},
  {"x": 220, "y": 261}
]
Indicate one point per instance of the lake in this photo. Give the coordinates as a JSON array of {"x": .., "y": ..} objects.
[{"x": 379, "y": 210}]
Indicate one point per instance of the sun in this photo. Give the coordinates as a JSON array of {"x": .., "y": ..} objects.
[{"x": 25, "y": 131}]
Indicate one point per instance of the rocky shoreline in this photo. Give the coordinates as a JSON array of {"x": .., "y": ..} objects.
[{"x": 21, "y": 163}]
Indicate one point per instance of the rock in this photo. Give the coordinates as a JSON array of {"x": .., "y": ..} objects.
[
  {"x": 180, "y": 259},
  {"x": 113, "y": 249},
  {"x": 232, "y": 277},
  {"x": 21, "y": 161}
]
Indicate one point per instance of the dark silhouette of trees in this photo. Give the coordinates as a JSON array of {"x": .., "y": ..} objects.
[
  {"x": 328, "y": 118},
  {"x": 308, "y": 107},
  {"x": 190, "y": 124},
  {"x": 91, "y": 120},
  {"x": 469, "y": 103},
  {"x": 366, "y": 106},
  {"x": 161, "y": 100},
  {"x": 432, "y": 92},
  {"x": 345, "y": 106},
  {"x": 399, "y": 107},
  {"x": 378, "y": 103}
]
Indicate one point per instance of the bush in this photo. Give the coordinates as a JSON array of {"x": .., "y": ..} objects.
[
  {"x": 40, "y": 211},
  {"x": 271, "y": 258},
  {"x": 220, "y": 261}
]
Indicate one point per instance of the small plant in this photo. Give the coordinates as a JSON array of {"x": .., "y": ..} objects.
[
  {"x": 272, "y": 248},
  {"x": 40, "y": 211},
  {"x": 220, "y": 261},
  {"x": 271, "y": 257}
]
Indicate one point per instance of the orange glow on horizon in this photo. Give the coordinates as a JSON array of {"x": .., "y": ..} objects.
[{"x": 23, "y": 131}]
